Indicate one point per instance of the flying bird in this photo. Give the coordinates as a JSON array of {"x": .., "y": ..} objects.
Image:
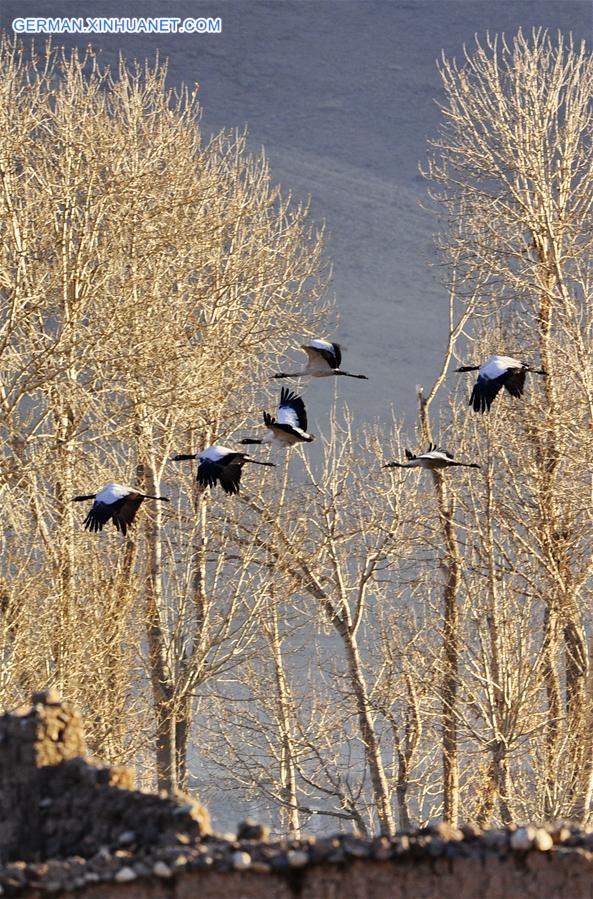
[
  {"x": 433, "y": 459},
  {"x": 291, "y": 425},
  {"x": 324, "y": 361},
  {"x": 496, "y": 373},
  {"x": 116, "y": 502},
  {"x": 219, "y": 465}
]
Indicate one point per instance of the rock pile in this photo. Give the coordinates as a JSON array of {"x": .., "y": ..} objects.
[{"x": 82, "y": 812}]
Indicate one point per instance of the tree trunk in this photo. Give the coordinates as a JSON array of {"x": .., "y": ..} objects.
[
  {"x": 451, "y": 568},
  {"x": 163, "y": 694},
  {"x": 562, "y": 608},
  {"x": 183, "y": 720},
  {"x": 581, "y": 807},
  {"x": 500, "y": 771},
  {"x": 554, "y": 697},
  {"x": 287, "y": 758},
  {"x": 65, "y": 668},
  {"x": 405, "y": 755},
  {"x": 369, "y": 737}
]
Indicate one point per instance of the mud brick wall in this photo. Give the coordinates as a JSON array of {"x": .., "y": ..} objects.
[{"x": 536, "y": 876}]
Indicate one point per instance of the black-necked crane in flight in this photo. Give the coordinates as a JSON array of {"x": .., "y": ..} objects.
[
  {"x": 219, "y": 465},
  {"x": 433, "y": 460},
  {"x": 290, "y": 427},
  {"x": 324, "y": 360},
  {"x": 115, "y": 502},
  {"x": 496, "y": 373}
]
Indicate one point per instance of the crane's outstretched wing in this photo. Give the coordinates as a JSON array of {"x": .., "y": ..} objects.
[
  {"x": 212, "y": 473},
  {"x": 124, "y": 515},
  {"x": 291, "y": 410}
]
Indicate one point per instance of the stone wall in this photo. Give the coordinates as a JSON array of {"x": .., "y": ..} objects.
[
  {"x": 31, "y": 738},
  {"x": 536, "y": 875},
  {"x": 54, "y": 803}
]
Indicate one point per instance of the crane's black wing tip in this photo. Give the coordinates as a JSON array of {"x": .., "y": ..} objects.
[{"x": 92, "y": 524}]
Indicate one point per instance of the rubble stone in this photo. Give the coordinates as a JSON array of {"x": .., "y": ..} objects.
[
  {"x": 162, "y": 870},
  {"x": 249, "y": 829},
  {"x": 125, "y": 874},
  {"x": 542, "y": 840},
  {"x": 297, "y": 858},
  {"x": 241, "y": 860},
  {"x": 523, "y": 838}
]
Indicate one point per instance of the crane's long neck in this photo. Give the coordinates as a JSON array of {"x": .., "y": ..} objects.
[
  {"x": 257, "y": 462},
  {"x": 468, "y": 368},
  {"x": 467, "y": 464},
  {"x": 81, "y": 499},
  {"x": 347, "y": 374},
  {"x": 182, "y": 457},
  {"x": 294, "y": 374},
  {"x": 250, "y": 441},
  {"x": 148, "y": 496}
]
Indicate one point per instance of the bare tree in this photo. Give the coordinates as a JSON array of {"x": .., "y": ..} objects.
[
  {"x": 149, "y": 278},
  {"x": 377, "y": 648},
  {"x": 512, "y": 169},
  {"x": 335, "y": 565}
]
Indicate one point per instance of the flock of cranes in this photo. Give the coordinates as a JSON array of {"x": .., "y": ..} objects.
[{"x": 221, "y": 465}]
